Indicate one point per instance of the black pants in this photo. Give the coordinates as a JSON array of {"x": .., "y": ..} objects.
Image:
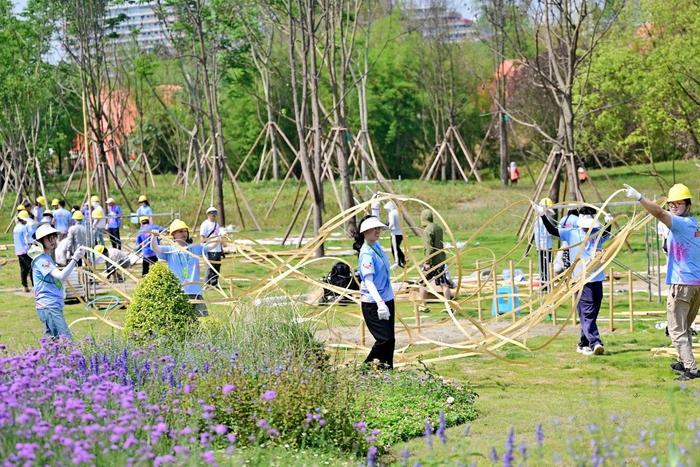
[
  {"x": 383, "y": 333},
  {"x": 114, "y": 237},
  {"x": 215, "y": 259},
  {"x": 147, "y": 261},
  {"x": 588, "y": 309},
  {"x": 396, "y": 251},
  {"x": 545, "y": 260},
  {"x": 25, "y": 269}
]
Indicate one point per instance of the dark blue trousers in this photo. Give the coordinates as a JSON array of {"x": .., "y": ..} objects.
[{"x": 588, "y": 308}]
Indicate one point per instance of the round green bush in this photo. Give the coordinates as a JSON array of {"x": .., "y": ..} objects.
[{"x": 159, "y": 308}]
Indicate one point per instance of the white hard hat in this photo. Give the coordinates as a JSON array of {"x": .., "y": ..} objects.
[
  {"x": 44, "y": 230},
  {"x": 212, "y": 209},
  {"x": 371, "y": 223},
  {"x": 587, "y": 222}
]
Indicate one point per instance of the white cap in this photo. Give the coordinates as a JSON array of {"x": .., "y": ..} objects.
[
  {"x": 44, "y": 230},
  {"x": 212, "y": 209},
  {"x": 371, "y": 223},
  {"x": 587, "y": 222}
]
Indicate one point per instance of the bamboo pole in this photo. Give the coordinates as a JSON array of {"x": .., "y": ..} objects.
[
  {"x": 574, "y": 312},
  {"x": 495, "y": 289},
  {"x": 416, "y": 313},
  {"x": 512, "y": 287},
  {"x": 531, "y": 285},
  {"x": 612, "y": 299},
  {"x": 630, "y": 299},
  {"x": 550, "y": 288},
  {"x": 478, "y": 291}
]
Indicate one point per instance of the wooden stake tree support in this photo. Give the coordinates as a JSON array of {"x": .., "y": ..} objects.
[{"x": 452, "y": 144}]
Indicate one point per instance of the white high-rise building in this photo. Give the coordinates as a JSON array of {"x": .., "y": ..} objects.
[{"x": 139, "y": 25}]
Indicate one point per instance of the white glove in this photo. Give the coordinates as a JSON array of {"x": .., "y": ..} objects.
[
  {"x": 383, "y": 311},
  {"x": 609, "y": 218},
  {"x": 79, "y": 253},
  {"x": 539, "y": 210},
  {"x": 632, "y": 193}
]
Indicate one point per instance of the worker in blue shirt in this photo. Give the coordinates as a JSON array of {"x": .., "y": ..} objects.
[
  {"x": 144, "y": 208},
  {"x": 377, "y": 295},
  {"x": 19, "y": 236},
  {"x": 114, "y": 223},
  {"x": 143, "y": 244},
  {"x": 61, "y": 218}
]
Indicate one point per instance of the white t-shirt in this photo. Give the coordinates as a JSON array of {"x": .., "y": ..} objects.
[
  {"x": 99, "y": 223},
  {"x": 394, "y": 225},
  {"x": 62, "y": 250},
  {"x": 209, "y": 230}
]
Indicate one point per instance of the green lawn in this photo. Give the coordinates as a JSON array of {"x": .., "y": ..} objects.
[{"x": 555, "y": 386}]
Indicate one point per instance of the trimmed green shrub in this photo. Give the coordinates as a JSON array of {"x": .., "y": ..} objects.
[{"x": 159, "y": 308}]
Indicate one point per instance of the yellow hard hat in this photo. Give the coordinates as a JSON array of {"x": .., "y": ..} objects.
[
  {"x": 144, "y": 218},
  {"x": 100, "y": 249},
  {"x": 176, "y": 225},
  {"x": 547, "y": 202},
  {"x": 54, "y": 202},
  {"x": 23, "y": 215},
  {"x": 41, "y": 200},
  {"x": 77, "y": 216},
  {"x": 97, "y": 214},
  {"x": 21, "y": 207},
  {"x": 142, "y": 198},
  {"x": 95, "y": 199},
  {"x": 678, "y": 192}
]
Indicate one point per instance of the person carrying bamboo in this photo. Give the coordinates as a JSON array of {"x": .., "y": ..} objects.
[{"x": 435, "y": 266}]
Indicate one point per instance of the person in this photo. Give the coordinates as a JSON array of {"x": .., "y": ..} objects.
[
  {"x": 682, "y": 272},
  {"x": 49, "y": 292},
  {"x": 585, "y": 241},
  {"x": 143, "y": 244},
  {"x": 375, "y": 206},
  {"x": 19, "y": 236},
  {"x": 514, "y": 173},
  {"x": 116, "y": 256},
  {"x": 114, "y": 223},
  {"x": 54, "y": 204},
  {"x": 582, "y": 175},
  {"x": 396, "y": 234},
  {"x": 543, "y": 244},
  {"x": 99, "y": 222},
  {"x": 38, "y": 209},
  {"x": 47, "y": 218},
  {"x": 62, "y": 218},
  {"x": 434, "y": 266},
  {"x": 561, "y": 260},
  {"x": 211, "y": 230},
  {"x": 377, "y": 295},
  {"x": 144, "y": 208},
  {"x": 77, "y": 234},
  {"x": 183, "y": 260},
  {"x": 62, "y": 254}
]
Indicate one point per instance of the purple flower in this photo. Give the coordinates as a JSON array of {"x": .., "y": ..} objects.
[
  {"x": 360, "y": 426},
  {"x": 372, "y": 456},
  {"x": 405, "y": 454},
  {"x": 231, "y": 438},
  {"x": 493, "y": 455},
  {"x": 508, "y": 457},
  {"x": 262, "y": 423},
  {"x": 442, "y": 427},
  {"x": 522, "y": 448},
  {"x": 220, "y": 429},
  {"x": 539, "y": 435},
  {"x": 268, "y": 395},
  {"x": 209, "y": 458},
  {"x": 428, "y": 433},
  {"x": 228, "y": 389}
]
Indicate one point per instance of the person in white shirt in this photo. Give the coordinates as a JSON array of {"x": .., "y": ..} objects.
[
  {"x": 63, "y": 252},
  {"x": 116, "y": 256},
  {"x": 396, "y": 234},
  {"x": 212, "y": 230},
  {"x": 543, "y": 243}
]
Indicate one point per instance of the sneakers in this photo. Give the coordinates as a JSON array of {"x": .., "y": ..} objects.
[
  {"x": 584, "y": 350},
  {"x": 689, "y": 374},
  {"x": 678, "y": 367},
  {"x": 598, "y": 349}
]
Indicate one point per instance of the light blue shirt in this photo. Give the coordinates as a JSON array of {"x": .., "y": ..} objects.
[
  {"x": 29, "y": 229},
  {"x": 584, "y": 253},
  {"x": 48, "y": 291},
  {"x": 144, "y": 210},
  {"x": 62, "y": 218},
  {"x": 185, "y": 266},
  {"x": 114, "y": 217},
  {"x": 543, "y": 239},
  {"x": 19, "y": 236},
  {"x": 373, "y": 261},
  {"x": 683, "y": 251}
]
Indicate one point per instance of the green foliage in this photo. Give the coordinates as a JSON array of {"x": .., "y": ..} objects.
[
  {"x": 399, "y": 403},
  {"x": 159, "y": 308}
]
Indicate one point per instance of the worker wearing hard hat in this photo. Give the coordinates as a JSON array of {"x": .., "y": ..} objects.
[
  {"x": 19, "y": 236},
  {"x": 682, "y": 272},
  {"x": 585, "y": 241},
  {"x": 61, "y": 217},
  {"x": 113, "y": 257},
  {"x": 211, "y": 231},
  {"x": 183, "y": 260},
  {"x": 39, "y": 207},
  {"x": 144, "y": 208},
  {"x": 143, "y": 244},
  {"x": 435, "y": 265},
  {"x": 77, "y": 233},
  {"x": 114, "y": 223},
  {"x": 99, "y": 221},
  {"x": 543, "y": 244},
  {"x": 49, "y": 291}
]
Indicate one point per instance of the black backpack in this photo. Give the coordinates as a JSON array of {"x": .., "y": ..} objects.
[{"x": 340, "y": 276}]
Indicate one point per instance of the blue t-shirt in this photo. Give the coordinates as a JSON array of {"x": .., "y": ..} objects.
[
  {"x": 543, "y": 239},
  {"x": 61, "y": 219},
  {"x": 584, "y": 253},
  {"x": 373, "y": 261},
  {"x": 683, "y": 251},
  {"x": 185, "y": 266},
  {"x": 114, "y": 217},
  {"x": 143, "y": 240},
  {"x": 48, "y": 291},
  {"x": 144, "y": 210},
  {"x": 19, "y": 236}
]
